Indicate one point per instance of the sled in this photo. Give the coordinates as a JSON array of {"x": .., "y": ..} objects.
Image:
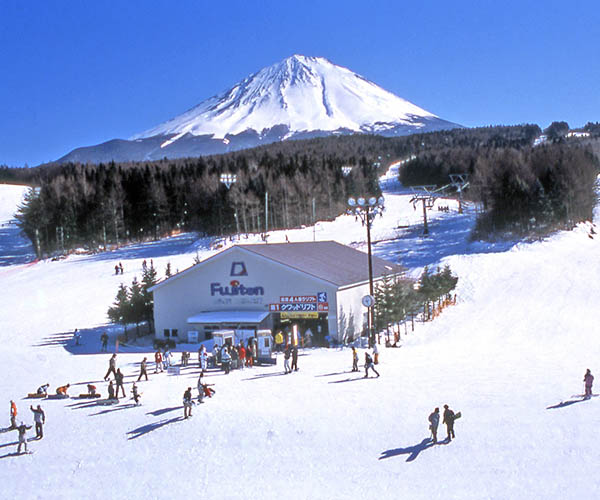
[
  {"x": 107, "y": 402},
  {"x": 88, "y": 396},
  {"x": 36, "y": 395},
  {"x": 58, "y": 396}
]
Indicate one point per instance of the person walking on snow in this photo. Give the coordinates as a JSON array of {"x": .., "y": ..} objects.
[
  {"x": 295, "y": 358},
  {"x": 434, "y": 421},
  {"x": 39, "y": 418},
  {"x": 588, "y": 379},
  {"x": 136, "y": 394},
  {"x": 143, "y": 370},
  {"x": 449, "y": 421},
  {"x": 119, "y": 381},
  {"x": 22, "y": 436},
  {"x": 187, "y": 403},
  {"x": 13, "y": 415},
  {"x": 369, "y": 364},
  {"x": 112, "y": 364},
  {"x": 158, "y": 361},
  {"x": 286, "y": 358},
  {"x": 354, "y": 360},
  {"x": 104, "y": 339}
]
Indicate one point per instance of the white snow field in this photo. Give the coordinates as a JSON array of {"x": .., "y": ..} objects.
[{"x": 510, "y": 356}]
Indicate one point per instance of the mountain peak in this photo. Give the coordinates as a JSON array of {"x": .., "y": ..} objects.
[{"x": 301, "y": 93}]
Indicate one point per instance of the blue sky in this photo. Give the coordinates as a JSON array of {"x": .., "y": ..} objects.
[{"x": 76, "y": 73}]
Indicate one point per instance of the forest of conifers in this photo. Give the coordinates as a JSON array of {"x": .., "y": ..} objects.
[{"x": 73, "y": 205}]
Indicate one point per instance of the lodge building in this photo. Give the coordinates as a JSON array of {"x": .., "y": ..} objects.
[{"x": 316, "y": 285}]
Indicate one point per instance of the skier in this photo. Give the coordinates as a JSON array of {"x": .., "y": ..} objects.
[
  {"x": 187, "y": 403},
  {"x": 13, "y": 415},
  {"x": 369, "y": 364},
  {"x": 588, "y": 379},
  {"x": 354, "y": 360},
  {"x": 203, "y": 359},
  {"x": 111, "y": 391},
  {"x": 136, "y": 395},
  {"x": 434, "y": 421},
  {"x": 112, "y": 363},
  {"x": 158, "y": 361},
  {"x": 295, "y": 358},
  {"x": 286, "y": 358},
  {"x": 104, "y": 339},
  {"x": 22, "y": 439},
  {"x": 62, "y": 391},
  {"x": 119, "y": 382},
  {"x": 449, "y": 421},
  {"x": 143, "y": 370},
  {"x": 40, "y": 419},
  {"x": 43, "y": 389}
]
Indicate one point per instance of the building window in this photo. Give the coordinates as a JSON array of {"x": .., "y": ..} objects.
[
  {"x": 174, "y": 332},
  {"x": 167, "y": 332}
]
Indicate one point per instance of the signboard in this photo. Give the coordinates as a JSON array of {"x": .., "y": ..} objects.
[
  {"x": 274, "y": 307},
  {"x": 323, "y": 306},
  {"x": 308, "y": 306},
  {"x": 368, "y": 301},
  {"x": 299, "y": 315},
  {"x": 297, "y": 298}
]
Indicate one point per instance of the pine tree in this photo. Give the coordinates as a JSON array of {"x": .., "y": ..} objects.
[
  {"x": 149, "y": 279},
  {"x": 168, "y": 272},
  {"x": 137, "y": 305},
  {"x": 120, "y": 311}
]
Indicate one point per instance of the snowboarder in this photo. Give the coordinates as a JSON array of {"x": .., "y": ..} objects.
[
  {"x": 111, "y": 367},
  {"x": 369, "y": 364},
  {"x": 354, "y": 360},
  {"x": 295, "y": 358},
  {"x": 449, "y": 421},
  {"x": 62, "y": 391},
  {"x": 286, "y": 358},
  {"x": 434, "y": 421},
  {"x": 40, "y": 419},
  {"x": 187, "y": 403},
  {"x": 43, "y": 389},
  {"x": 104, "y": 339},
  {"x": 119, "y": 382},
  {"x": 158, "y": 361},
  {"x": 111, "y": 391},
  {"x": 143, "y": 370},
  {"x": 136, "y": 395},
  {"x": 22, "y": 436},
  {"x": 588, "y": 379},
  {"x": 13, "y": 415},
  {"x": 120, "y": 268}
]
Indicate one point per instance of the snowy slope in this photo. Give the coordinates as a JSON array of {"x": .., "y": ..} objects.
[
  {"x": 302, "y": 93},
  {"x": 507, "y": 355}
]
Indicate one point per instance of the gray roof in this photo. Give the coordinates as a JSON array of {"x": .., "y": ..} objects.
[{"x": 328, "y": 260}]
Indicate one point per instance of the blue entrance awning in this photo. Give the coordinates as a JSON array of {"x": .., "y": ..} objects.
[{"x": 235, "y": 317}]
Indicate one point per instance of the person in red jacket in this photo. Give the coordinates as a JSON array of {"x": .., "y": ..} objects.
[
  {"x": 13, "y": 415},
  {"x": 158, "y": 361},
  {"x": 242, "y": 355}
]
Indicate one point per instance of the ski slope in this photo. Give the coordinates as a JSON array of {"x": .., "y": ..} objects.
[{"x": 510, "y": 356}]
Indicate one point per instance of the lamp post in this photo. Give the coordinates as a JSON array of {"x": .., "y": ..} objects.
[
  {"x": 229, "y": 180},
  {"x": 367, "y": 210}
]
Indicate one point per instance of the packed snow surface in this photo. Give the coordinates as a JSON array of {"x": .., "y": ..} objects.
[
  {"x": 303, "y": 93},
  {"x": 510, "y": 356}
]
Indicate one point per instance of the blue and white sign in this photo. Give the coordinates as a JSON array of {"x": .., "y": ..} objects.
[{"x": 322, "y": 297}]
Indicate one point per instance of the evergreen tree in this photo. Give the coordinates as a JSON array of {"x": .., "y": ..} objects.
[
  {"x": 137, "y": 303},
  {"x": 149, "y": 279},
  {"x": 120, "y": 312}
]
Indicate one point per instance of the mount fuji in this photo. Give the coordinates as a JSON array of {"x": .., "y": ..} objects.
[{"x": 299, "y": 97}]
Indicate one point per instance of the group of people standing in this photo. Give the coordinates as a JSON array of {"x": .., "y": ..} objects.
[
  {"x": 39, "y": 418},
  {"x": 370, "y": 362},
  {"x": 449, "y": 418}
]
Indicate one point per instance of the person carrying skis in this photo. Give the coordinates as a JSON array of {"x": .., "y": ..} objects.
[
  {"x": 369, "y": 364},
  {"x": 449, "y": 421},
  {"x": 354, "y": 360},
  {"x": 187, "y": 403},
  {"x": 22, "y": 436},
  {"x": 112, "y": 364},
  {"x": 13, "y": 415},
  {"x": 143, "y": 370},
  {"x": 119, "y": 382},
  {"x": 39, "y": 418},
  {"x": 588, "y": 380},
  {"x": 434, "y": 421}
]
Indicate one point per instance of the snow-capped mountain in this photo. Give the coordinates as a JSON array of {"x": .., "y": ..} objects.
[{"x": 298, "y": 97}]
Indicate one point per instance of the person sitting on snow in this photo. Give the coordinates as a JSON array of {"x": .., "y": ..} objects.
[
  {"x": 91, "y": 390},
  {"x": 62, "y": 390},
  {"x": 43, "y": 389}
]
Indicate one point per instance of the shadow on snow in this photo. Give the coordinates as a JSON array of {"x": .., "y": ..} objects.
[{"x": 145, "y": 429}]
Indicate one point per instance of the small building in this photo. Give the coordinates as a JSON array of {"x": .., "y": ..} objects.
[{"x": 313, "y": 285}]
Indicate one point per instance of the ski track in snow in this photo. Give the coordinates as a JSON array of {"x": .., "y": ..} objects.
[{"x": 509, "y": 355}]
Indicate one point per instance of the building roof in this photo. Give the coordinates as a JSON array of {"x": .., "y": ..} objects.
[{"x": 328, "y": 260}]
